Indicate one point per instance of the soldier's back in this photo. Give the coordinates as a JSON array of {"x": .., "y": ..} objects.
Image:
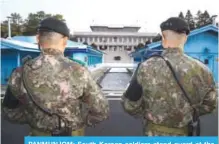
[
  {"x": 164, "y": 99},
  {"x": 57, "y": 84}
]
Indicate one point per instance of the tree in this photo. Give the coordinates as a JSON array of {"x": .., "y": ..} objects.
[
  {"x": 85, "y": 43},
  {"x": 147, "y": 42},
  {"x": 59, "y": 17},
  {"x": 27, "y": 26},
  {"x": 94, "y": 46},
  {"x": 34, "y": 19},
  {"x": 206, "y": 18},
  {"x": 4, "y": 29},
  {"x": 190, "y": 20},
  {"x": 140, "y": 45},
  {"x": 16, "y": 25},
  {"x": 181, "y": 15},
  {"x": 199, "y": 19},
  {"x": 16, "y": 18},
  {"x": 203, "y": 19},
  {"x": 157, "y": 38},
  {"x": 73, "y": 38}
]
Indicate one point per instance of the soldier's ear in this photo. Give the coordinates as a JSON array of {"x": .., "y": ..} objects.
[
  {"x": 65, "y": 41},
  {"x": 37, "y": 38},
  {"x": 163, "y": 41},
  {"x": 186, "y": 37}
]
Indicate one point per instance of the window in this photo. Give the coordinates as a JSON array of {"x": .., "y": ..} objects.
[
  {"x": 120, "y": 39},
  {"x": 115, "y": 39}
]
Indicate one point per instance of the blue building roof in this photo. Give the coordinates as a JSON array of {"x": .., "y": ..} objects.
[
  {"x": 18, "y": 45},
  {"x": 32, "y": 39},
  {"x": 28, "y": 43},
  {"x": 158, "y": 44}
]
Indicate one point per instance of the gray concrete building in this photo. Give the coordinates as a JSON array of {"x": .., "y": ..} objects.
[{"x": 114, "y": 41}]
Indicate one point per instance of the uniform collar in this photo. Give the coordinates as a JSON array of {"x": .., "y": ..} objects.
[
  {"x": 172, "y": 51},
  {"x": 51, "y": 51}
]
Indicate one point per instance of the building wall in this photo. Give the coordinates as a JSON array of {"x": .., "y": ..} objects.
[
  {"x": 81, "y": 57},
  {"x": 197, "y": 46},
  {"x": 89, "y": 59},
  {"x": 94, "y": 59},
  {"x": 110, "y": 54},
  {"x": 11, "y": 59},
  {"x": 8, "y": 63},
  {"x": 114, "y": 41}
]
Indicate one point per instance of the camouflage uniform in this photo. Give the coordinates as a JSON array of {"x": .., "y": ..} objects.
[
  {"x": 60, "y": 85},
  {"x": 154, "y": 92},
  {"x": 162, "y": 103}
]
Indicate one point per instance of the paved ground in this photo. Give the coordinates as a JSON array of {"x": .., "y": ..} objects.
[{"x": 119, "y": 123}]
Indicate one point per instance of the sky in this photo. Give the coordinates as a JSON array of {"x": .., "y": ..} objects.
[{"x": 80, "y": 14}]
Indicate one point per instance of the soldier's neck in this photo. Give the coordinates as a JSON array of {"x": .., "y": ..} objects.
[
  {"x": 56, "y": 47},
  {"x": 175, "y": 51},
  {"x": 52, "y": 51},
  {"x": 173, "y": 48}
]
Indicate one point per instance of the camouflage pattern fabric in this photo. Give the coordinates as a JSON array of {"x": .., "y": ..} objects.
[
  {"x": 58, "y": 84},
  {"x": 162, "y": 102}
]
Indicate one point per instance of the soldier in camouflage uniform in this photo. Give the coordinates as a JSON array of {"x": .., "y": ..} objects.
[
  {"x": 57, "y": 83},
  {"x": 154, "y": 93}
]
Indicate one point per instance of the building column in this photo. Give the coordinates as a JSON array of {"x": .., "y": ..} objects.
[
  {"x": 103, "y": 58},
  {"x": 18, "y": 59}
]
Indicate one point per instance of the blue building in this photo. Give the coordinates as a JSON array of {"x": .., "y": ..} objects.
[
  {"x": 13, "y": 51},
  {"x": 74, "y": 50},
  {"x": 202, "y": 44}
]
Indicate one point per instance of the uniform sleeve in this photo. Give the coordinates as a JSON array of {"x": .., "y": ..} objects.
[
  {"x": 13, "y": 110},
  {"x": 132, "y": 101},
  {"x": 210, "y": 99},
  {"x": 98, "y": 106}
]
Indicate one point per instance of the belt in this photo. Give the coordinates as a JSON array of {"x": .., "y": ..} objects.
[
  {"x": 164, "y": 129},
  {"x": 35, "y": 132}
]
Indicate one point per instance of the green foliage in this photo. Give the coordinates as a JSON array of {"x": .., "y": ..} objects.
[
  {"x": 27, "y": 26},
  {"x": 200, "y": 20},
  {"x": 157, "y": 38},
  {"x": 94, "y": 46},
  {"x": 189, "y": 18},
  {"x": 181, "y": 15},
  {"x": 139, "y": 46}
]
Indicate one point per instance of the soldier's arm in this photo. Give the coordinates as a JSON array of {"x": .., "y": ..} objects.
[
  {"x": 209, "y": 103},
  {"x": 132, "y": 101},
  {"x": 13, "y": 109},
  {"x": 98, "y": 106}
]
